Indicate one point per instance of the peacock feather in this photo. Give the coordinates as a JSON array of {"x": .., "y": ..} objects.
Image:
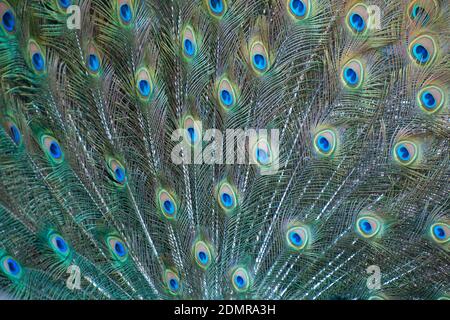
[{"x": 114, "y": 185}]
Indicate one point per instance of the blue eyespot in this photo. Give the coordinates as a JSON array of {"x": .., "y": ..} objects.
[
  {"x": 368, "y": 226},
  {"x": 227, "y": 200},
  {"x": 144, "y": 87},
  {"x": 167, "y": 204},
  {"x": 365, "y": 226},
  {"x": 8, "y": 21},
  {"x": 172, "y": 281},
  {"x": 421, "y": 53},
  {"x": 125, "y": 13},
  {"x": 94, "y": 63},
  {"x": 64, "y": 3},
  {"x": 189, "y": 47},
  {"x": 259, "y": 61},
  {"x": 357, "y": 22},
  {"x": 55, "y": 150},
  {"x": 439, "y": 232},
  {"x": 226, "y": 197},
  {"x": 173, "y": 284},
  {"x": 351, "y": 77},
  {"x": 144, "y": 84},
  {"x": 117, "y": 247},
  {"x": 14, "y": 133},
  {"x": 431, "y": 99},
  {"x": 192, "y": 135},
  {"x": 419, "y": 13},
  {"x": 295, "y": 238},
  {"x": 203, "y": 257},
  {"x": 61, "y": 244},
  {"x": 403, "y": 153},
  {"x": 189, "y": 43},
  {"x": 298, "y": 7},
  {"x": 226, "y": 93},
  {"x": 120, "y": 174},
  {"x": 52, "y": 149},
  {"x": 262, "y": 154},
  {"x": 324, "y": 144},
  {"x": 352, "y": 74},
  {"x": 262, "y": 157},
  {"x": 216, "y": 6},
  {"x": 259, "y": 57},
  {"x": 11, "y": 267},
  {"x": 406, "y": 152},
  {"x": 240, "y": 280},
  {"x": 226, "y": 97},
  {"x": 169, "y": 208},
  {"x": 38, "y": 61},
  {"x": 116, "y": 170},
  {"x": 428, "y": 100}
]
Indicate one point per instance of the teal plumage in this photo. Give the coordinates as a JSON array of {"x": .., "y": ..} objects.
[{"x": 93, "y": 206}]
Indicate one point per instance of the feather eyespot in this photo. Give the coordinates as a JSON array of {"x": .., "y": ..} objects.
[
  {"x": 52, "y": 148},
  {"x": 431, "y": 99},
  {"x": 226, "y": 197},
  {"x": 422, "y": 11},
  {"x": 405, "y": 152},
  {"x": 192, "y": 131},
  {"x": 202, "y": 254},
  {"x": 368, "y": 226},
  {"x": 240, "y": 280},
  {"x": 353, "y": 74},
  {"x": 36, "y": 56},
  {"x": 440, "y": 232},
  {"x": 8, "y": 18},
  {"x": 262, "y": 153},
  {"x": 13, "y": 131},
  {"x": 259, "y": 57},
  {"x": 189, "y": 43},
  {"x": 11, "y": 268},
  {"x": 64, "y": 4},
  {"x": 299, "y": 9},
  {"x": 167, "y": 204},
  {"x": 144, "y": 84},
  {"x": 423, "y": 50},
  {"x": 125, "y": 10},
  {"x": 117, "y": 171},
  {"x": 297, "y": 238},
  {"x": 325, "y": 142},
  {"x": 217, "y": 8},
  {"x": 94, "y": 61},
  {"x": 172, "y": 281},
  {"x": 59, "y": 244},
  {"x": 419, "y": 13},
  {"x": 117, "y": 248},
  {"x": 226, "y": 94},
  {"x": 358, "y": 18}
]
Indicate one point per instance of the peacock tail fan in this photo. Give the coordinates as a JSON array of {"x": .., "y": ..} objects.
[{"x": 224, "y": 149}]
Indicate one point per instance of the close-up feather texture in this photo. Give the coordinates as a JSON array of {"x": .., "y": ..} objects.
[{"x": 93, "y": 205}]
